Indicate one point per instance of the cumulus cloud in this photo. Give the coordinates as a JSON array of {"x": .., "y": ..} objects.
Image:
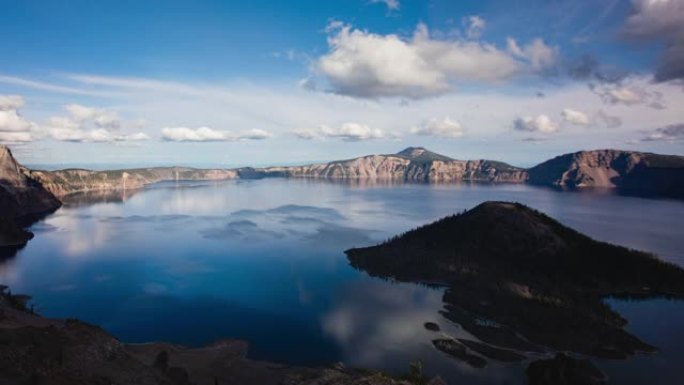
[
  {"x": 575, "y": 117},
  {"x": 101, "y": 118},
  {"x": 671, "y": 133},
  {"x": 364, "y": 64},
  {"x": 475, "y": 25},
  {"x": 350, "y": 132},
  {"x": 87, "y": 124},
  {"x": 541, "y": 123},
  {"x": 392, "y": 5},
  {"x": 662, "y": 21},
  {"x": 444, "y": 128},
  {"x": 14, "y": 127},
  {"x": 206, "y": 134}
]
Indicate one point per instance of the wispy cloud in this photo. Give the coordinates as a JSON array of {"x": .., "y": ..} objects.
[{"x": 206, "y": 134}]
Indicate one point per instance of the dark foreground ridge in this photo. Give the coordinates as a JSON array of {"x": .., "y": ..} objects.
[{"x": 521, "y": 281}]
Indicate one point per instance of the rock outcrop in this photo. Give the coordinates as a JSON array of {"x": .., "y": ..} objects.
[
  {"x": 520, "y": 281},
  {"x": 23, "y": 199},
  {"x": 631, "y": 171},
  {"x": 21, "y": 194}
]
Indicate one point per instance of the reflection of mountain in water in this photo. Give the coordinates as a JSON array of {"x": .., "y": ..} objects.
[
  {"x": 86, "y": 198},
  {"x": 520, "y": 280}
]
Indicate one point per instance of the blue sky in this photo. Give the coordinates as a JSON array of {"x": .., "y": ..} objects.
[{"x": 268, "y": 82}]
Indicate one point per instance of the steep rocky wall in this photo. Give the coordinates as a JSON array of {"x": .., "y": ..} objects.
[
  {"x": 634, "y": 171},
  {"x": 64, "y": 182}
]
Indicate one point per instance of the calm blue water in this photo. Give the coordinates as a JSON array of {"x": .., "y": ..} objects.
[{"x": 263, "y": 261}]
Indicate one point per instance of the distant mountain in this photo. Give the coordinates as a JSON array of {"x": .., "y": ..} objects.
[
  {"x": 633, "y": 171},
  {"x": 642, "y": 173},
  {"x": 420, "y": 154},
  {"x": 414, "y": 164},
  {"x": 528, "y": 275}
]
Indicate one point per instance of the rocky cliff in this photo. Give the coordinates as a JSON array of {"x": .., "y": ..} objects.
[
  {"x": 21, "y": 195},
  {"x": 627, "y": 170},
  {"x": 64, "y": 182},
  {"x": 414, "y": 164},
  {"x": 23, "y": 199}
]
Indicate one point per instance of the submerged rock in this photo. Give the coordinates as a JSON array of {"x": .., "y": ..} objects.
[
  {"x": 431, "y": 326},
  {"x": 459, "y": 351},
  {"x": 564, "y": 370}
]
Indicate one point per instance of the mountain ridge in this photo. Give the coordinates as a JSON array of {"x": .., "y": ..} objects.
[{"x": 631, "y": 171}]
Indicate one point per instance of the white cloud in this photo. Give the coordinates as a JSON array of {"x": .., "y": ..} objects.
[
  {"x": 475, "y": 26},
  {"x": 575, "y": 117},
  {"x": 101, "y": 118},
  {"x": 444, "y": 128},
  {"x": 13, "y": 126},
  {"x": 392, "y": 5},
  {"x": 348, "y": 131},
  {"x": 365, "y": 64},
  {"x": 206, "y": 134},
  {"x": 15, "y": 137},
  {"x": 661, "y": 20},
  {"x": 10, "y": 120},
  {"x": 541, "y": 123},
  {"x": 11, "y": 102},
  {"x": 87, "y": 124}
]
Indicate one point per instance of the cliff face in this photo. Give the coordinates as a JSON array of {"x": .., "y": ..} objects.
[
  {"x": 413, "y": 164},
  {"x": 21, "y": 195},
  {"x": 64, "y": 182},
  {"x": 23, "y": 199},
  {"x": 644, "y": 172}
]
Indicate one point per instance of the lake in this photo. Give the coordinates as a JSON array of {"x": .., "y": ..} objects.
[{"x": 263, "y": 261}]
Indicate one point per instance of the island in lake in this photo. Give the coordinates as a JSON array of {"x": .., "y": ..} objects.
[{"x": 523, "y": 284}]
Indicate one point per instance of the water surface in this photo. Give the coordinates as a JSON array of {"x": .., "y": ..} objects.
[{"x": 263, "y": 261}]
